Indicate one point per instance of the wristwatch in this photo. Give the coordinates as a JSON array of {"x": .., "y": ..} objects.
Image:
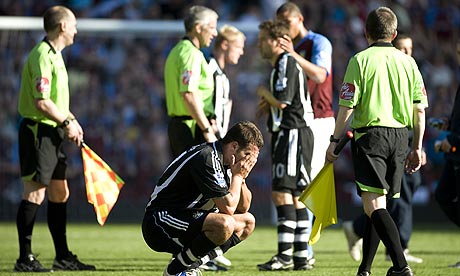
[
  {"x": 207, "y": 130},
  {"x": 332, "y": 139},
  {"x": 65, "y": 123}
]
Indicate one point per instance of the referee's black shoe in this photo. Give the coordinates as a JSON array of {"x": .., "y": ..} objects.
[
  {"x": 30, "y": 264},
  {"x": 406, "y": 271},
  {"x": 71, "y": 262}
]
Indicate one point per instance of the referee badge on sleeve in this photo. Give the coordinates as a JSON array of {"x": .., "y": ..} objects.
[
  {"x": 42, "y": 84},
  {"x": 347, "y": 92}
]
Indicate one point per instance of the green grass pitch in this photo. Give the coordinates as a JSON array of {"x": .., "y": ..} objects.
[{"x": 118, "y": 249}]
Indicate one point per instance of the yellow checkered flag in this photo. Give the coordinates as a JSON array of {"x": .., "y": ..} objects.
[{"x": 103, "y": 185}]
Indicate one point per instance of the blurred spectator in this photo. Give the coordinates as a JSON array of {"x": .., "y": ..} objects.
[{"x": 117, "y": 81}]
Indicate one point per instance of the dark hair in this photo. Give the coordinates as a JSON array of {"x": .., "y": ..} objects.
[
  {"x": 381, "y": 23},
  {"x": 244, "y": 133},
  {"x": 53, "y": 16},
  {"x": 399, "y": 37},
  {"x": 290, "y": 8},
  {"x": 275, "y": 29}
]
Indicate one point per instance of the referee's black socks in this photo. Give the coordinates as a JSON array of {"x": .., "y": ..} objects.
[
  {"x": 388, "y": 232},
  {"x": 25, "y": 221}
]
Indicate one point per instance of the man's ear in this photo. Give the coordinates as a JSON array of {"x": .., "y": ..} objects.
[
  {"x": 235, "y": 146},
  {"x": 224, "y": 45},
  {"x": 198, "y": 28},
  {"x": 62, "y": 26},
  {"x": 394, "y": 35}
]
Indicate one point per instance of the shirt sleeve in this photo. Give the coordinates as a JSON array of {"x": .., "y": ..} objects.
[
  {"x": 287, "y": 81},
  {"x": 351, "y": 87},
  {"x": 322, "y": 53},
  {"x": 190, "y": 72},
  {"x": 209, "y": 174},
  {"x": 41, "y": 76},
  {"x": 419, "y": 95}
]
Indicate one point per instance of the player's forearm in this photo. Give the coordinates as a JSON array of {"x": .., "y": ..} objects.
[
  {"x": 314, "y": 72},
  {"x": 232, "y": 199},
  {"x": 343, "y": 117},
  {"x": 50, "y": 110},
  {"x": 195, "y": 110},
  {"x": 245, "y": 199},
  {"x": 419, "y": 128},
  {"x": 271, "y": 100}
]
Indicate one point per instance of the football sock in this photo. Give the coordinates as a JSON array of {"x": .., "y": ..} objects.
[
  {"x": 301, "y": 237},
  {"x": 57, "y": 220},
  {"x": 388, "y": 233},
  {"x": 371, "y": 242},
  {"x": 198, "y": 248},
  {"x": 218, "y": 251},
  {"x": 25, "y": 220},
  {"x": 286, "y": 229},
  {"x": 358, "y": 225},
  {"x": 231, "y": 242}
]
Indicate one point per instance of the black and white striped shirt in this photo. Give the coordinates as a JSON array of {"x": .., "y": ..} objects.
[
  {"x": 192, "y": 180},
  {"x": 288, "y": 84},
  {"x": 222, "y": 102}
]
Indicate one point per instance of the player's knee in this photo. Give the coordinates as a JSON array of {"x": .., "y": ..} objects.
[
  {"x": 228, "y": 224},
  {"x": 249, "y": 226}
]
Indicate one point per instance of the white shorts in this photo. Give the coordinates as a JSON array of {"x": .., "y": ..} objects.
[{"x": 322, "y": 129}]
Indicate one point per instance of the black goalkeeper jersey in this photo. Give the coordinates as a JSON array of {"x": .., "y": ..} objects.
[
  {"x": 192, "y": 180},
  {"x": 288, "y": 85}
]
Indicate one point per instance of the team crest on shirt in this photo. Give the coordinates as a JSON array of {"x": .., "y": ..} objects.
[
  {"x": 220, "y": 178},
  {"x": 197, "y": 214},
  {"x": 42, "y": 84},
  {"x": 347, "y": 92},
  {"x": 186, "y": 77}
]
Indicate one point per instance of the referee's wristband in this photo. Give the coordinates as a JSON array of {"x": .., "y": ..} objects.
[{"x": 332, "y": 139}]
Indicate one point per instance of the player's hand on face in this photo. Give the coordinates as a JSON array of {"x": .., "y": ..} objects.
[
  {"x": 286, "y": 43},
  {"x": 244, "y": 165}
]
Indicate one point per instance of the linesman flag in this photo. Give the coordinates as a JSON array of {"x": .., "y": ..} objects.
[
  {"x": 103, "y": 185},
  {"x": 319, "y": 196}
]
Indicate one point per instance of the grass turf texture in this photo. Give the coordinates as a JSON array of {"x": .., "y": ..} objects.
[{"x": 118, "y": 249}]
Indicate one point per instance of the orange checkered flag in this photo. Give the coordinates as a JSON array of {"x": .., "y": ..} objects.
[{"x": 103, "y": 185}]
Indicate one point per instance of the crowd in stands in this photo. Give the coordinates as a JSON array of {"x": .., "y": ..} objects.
[{"x": 117, "y": 90}]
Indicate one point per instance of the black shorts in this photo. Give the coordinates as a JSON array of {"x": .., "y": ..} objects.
[
  {"x": 378, "y": 157},
  {"x": 292, "y": 150},
  {"x": 41, "y": 154},
  {"x": 170, "y": 231},
  {"x": 181, "y": 137}
]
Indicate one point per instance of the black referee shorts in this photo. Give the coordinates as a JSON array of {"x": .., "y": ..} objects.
[
  {"x": 41, "y": 155},
  {"x": 378, "y": 155}
]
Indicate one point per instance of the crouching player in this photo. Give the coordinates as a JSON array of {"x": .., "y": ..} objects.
[{"x": 199, "y": 207}]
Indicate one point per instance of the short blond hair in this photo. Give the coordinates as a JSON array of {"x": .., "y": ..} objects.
[{"x": 228, "y": 33}]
